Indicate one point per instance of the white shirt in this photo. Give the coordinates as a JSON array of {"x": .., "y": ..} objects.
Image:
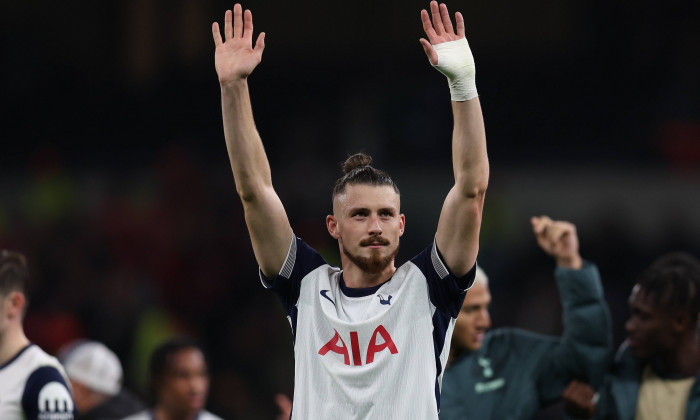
[
  {"x": 373, "y": 353},
  {"x": 33, "y": 386}
]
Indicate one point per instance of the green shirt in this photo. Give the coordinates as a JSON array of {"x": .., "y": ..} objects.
[{"x": 515, "y": 373}]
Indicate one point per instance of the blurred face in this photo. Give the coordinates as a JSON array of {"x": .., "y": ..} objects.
[
  {"x": 650, "y": 328},
  {"x": 11, "y": 305},
  {"x": 185, "y": 384},
  {"x": 3, "y": 316},
  {"x": 474, "y": 319},
  {"x": 368, "y": 225}
]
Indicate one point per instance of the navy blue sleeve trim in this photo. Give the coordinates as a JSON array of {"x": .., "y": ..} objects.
[
  {"x": 441, "y": 323},
  {"x": 301, "y": 260},
  {"x": 446, "y": 291},
  {"x": 466, "y": 281},
  {"x": 46, "y": 396}
]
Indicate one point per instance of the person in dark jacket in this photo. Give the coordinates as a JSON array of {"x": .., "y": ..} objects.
[
  {"x": 95, "y": 374},
  {"x": 510, "y": 373},
  {"x": 656, "y": 374}
]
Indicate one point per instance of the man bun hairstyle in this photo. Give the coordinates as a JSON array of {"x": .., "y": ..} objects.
[
  {"x": 357, "y": 171},
  {"x": 673, "y": 280},
  {"x": 355, "y": 161}
]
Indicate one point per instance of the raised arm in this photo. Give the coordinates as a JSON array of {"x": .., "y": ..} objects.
[
  {"x": 585, "y": 348},
  {"x": 460, "y": 220},
  {"x": 265, "y": 216}
]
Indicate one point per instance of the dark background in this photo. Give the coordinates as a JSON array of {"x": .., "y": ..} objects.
[{"x": 115, "y": 180}]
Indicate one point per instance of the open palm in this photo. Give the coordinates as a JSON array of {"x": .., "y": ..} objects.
[
  {"x": 235, "y": 58},
  {"x": 439, "y": 29}
]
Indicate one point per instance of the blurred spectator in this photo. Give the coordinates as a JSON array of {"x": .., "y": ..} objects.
[
  {"x": 179, "y": 380},
  {"x": 96, "y": 376},
  {"x": 656, "y": 374},
  {"x": 512, "y": 373}
]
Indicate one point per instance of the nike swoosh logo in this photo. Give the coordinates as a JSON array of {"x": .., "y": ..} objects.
[{"x": 324, "y": 294}]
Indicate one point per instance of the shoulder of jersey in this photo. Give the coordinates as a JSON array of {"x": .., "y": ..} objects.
[{"x": 39, "y": 357}]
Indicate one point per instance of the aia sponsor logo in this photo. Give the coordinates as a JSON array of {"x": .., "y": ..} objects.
[{"x": 337, "y": 345}]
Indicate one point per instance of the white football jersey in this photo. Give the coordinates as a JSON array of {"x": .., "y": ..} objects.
[
  {"x": 369, "y": 353},
  {"x": 33, "y": 386}
]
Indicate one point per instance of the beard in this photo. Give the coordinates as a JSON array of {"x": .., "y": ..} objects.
[{"x": 375, "y": 263}]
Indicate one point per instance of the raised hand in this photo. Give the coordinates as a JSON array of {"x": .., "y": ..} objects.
[
  {"x": 236, "y": 58},
  {"x": 578, "y": 400},
  {"x": 559, "y": 240},
  {"x": 439, "y": 29}
]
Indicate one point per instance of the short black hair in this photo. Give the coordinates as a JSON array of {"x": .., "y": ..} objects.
[
  {"x": 677, "y": 259},
  {"x": 357, "y": 170},
  {"x": 14, "y": 275},
  {"x": 673, "y": 280},
  {"x": 161, "y": 358}
]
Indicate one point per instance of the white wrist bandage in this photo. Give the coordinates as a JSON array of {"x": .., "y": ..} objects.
[{"x": 455, "y": 60}]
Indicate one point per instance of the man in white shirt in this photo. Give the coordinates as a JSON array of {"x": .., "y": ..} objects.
[
  {"x": 371, "y": 340},
  {"x": 33, "y": 385}
]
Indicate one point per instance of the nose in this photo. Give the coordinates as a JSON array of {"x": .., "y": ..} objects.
[
  {"x": 630, "y": 325},
  {"x": 375, "y": 227},
  {"x": 199, "y": 385}
]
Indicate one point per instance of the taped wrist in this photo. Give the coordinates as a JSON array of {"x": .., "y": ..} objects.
[{"x": 455, "y": 60}]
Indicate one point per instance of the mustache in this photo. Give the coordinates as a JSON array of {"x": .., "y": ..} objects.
[{"x": 372, "y": 240}]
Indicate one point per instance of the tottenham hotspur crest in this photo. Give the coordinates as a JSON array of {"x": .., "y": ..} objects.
[{"x": 383, "y": 300}]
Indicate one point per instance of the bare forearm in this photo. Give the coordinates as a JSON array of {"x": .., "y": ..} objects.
[
  {"x": 469, "y": 157},
  {"x": 251, "y": 169},
  {"x": 235, "y": 59},
  {"x": 265, "y": 216}
]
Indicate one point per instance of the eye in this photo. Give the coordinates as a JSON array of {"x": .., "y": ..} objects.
[
  {"x": 360, "y": 213},
  {"x": 386, "y": 213},
  {"x": 641, "y": 315}
]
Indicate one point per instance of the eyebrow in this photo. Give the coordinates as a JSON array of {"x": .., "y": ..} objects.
[
  {"x": 367, "y": 209},
  {"x": 357, "y": 209}
]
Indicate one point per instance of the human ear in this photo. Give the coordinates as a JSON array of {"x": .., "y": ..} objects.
[
  {"x": 682, "y": 322},
  {"x": 332, "y": 225},
  {"x": 15, "y": 303}
]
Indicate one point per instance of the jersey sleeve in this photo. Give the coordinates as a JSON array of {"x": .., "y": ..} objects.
[
  {"x": 301, "y": 260},
  {"x": 446, "y": 291},
  {"x": 46, "y": 396}
]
